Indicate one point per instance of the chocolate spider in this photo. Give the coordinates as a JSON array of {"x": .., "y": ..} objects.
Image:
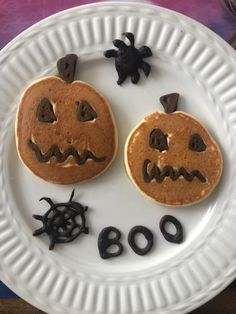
[
  {"x": 129, "y": 59},
  {"x": 60, "y": 223}
]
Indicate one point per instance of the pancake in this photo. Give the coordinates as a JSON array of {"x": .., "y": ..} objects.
[
  {"x": 65, "y": 132},
  {"x": 173, "y": 159}
]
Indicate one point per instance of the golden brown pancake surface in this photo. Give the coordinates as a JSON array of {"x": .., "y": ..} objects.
[
  {"x": 169, "y": 163},
  {"x": 69, "y": 137}
]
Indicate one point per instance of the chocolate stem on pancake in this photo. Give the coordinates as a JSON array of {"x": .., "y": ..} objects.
[
  {"x": 54, "y": 151},
  {"x": 168, "y": 171}
]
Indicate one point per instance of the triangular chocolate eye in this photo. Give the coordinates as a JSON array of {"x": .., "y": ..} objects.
[
  {"x": 196, "y": 143},
  {"x": 169, "y": 102},
  {"x": 158, "y": 140},
  {"x": 66, "y": 67},
  {"x": 45, "y": 112},
  {"x": 85, "y": 112}
]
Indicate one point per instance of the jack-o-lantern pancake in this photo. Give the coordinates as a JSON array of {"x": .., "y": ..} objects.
[
  {"x": 65, "y": 131},
  {"x": 172, "y": 158}
]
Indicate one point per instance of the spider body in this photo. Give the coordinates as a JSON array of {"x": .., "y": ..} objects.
[{"x": 129, "y": 59}]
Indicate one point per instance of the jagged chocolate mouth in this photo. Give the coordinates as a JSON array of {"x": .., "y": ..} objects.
[
  {"x": 54, "y": 151},
  {"x": 155, "y": 173}
]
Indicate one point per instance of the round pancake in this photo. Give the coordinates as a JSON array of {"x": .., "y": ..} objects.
[
  {"x": 65, "y": 133},
  {"x": 145, "y": 164}
]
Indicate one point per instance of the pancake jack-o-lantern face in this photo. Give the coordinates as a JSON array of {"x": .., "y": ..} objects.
[
  {"x": 65, "y": 130},
  {"x": 172, "y": 158}
]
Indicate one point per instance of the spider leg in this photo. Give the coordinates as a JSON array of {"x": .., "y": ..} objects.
[
  {"x": 52, "y": 242},
  {"x": 110, "y": 53},
  {"x": 146, "y": 68},
  {"x": 121, "y": 77},
  {"x": 47, "y": 199},
  {"x": 38, "y": 231},
  {"x": 72, "y": 195},
  {"x": 130, "y": 37},
  {"x": 135, "y": 77},
  {"x": 86, "y": 230},
  {"x": 38, "y": 217},
  {"x": 119, "y": 44},
  {"x": 145, "y": 51}
]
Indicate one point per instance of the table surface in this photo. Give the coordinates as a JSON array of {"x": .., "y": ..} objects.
[{"x": 17, "y": 15}]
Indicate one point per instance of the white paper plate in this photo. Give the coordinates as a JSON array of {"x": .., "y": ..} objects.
[{"x": 187, "y": 58}]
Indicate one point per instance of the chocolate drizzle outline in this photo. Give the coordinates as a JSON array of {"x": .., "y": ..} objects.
[
  {"x": 59, "y": 221},
  {"x": 66, "y": 67},
  {"x": 174, "y": 238},
  {"x": 54, "y": 151},
  {"x": 129, "y": 59},
  {"x": 170, "y": 102},
  {"x": 158, "y": 140},
  {"x": 45, "y": 112},
  {"x": 104, "y": 242},
  {"x": 85, "y": 112},
  {"x": 169, "y": 171},
  {"x": 196, "y": 143},
  {"x": 148, "y": 236}
]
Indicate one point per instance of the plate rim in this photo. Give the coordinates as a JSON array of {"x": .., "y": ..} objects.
[{"x": 120, "y": 4}]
